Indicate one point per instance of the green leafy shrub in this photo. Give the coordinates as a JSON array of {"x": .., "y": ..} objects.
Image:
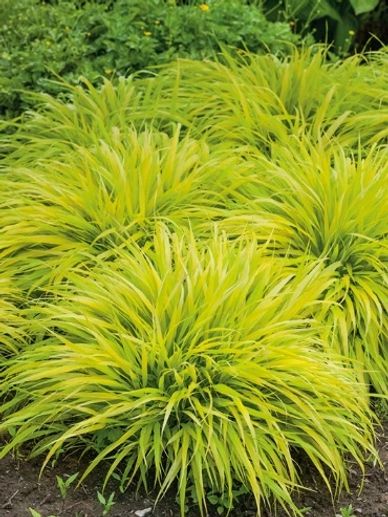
[
  {"x": 192, "y": 363},
  {"x": 71, "y": 39}
]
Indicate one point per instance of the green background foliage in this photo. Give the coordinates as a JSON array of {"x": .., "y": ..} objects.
[
  {"x": 39, "y": 41},
  {"x": 340, "y": 23}
]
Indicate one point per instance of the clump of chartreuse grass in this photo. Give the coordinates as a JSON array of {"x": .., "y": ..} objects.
[
  {"x": 194, "y": 364},
  {"x": 71, "y": 201},
  {"x": 330, "y": 205},
  {"x": 256, "y": 99}
]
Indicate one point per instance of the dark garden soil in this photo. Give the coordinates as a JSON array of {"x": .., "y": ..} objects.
[{"x": 21, "y": 489}]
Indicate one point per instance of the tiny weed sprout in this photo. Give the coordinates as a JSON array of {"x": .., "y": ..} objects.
[
  {"x": 64, "y": 483},
  {"x": 194, "y": 277},
  {"x": 346, "y": 512},
  {"x": 106, "y": 503}
]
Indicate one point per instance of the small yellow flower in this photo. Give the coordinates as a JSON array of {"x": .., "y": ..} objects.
[
  {"x": 351, "y": 33},
  {"x": 146, "y": 33},
  {"x": 204, "y": 7}
]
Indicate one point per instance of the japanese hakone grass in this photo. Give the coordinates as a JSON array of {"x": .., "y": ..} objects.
[
  {"x": 62, "y": 203},
  {"x": 253, "y": 99},
  {"x": 256, "y": 99},
  {"x": 199, "y": 365},
  {"x": 84, "y": 115},
  {"x": 334, "y": 207}
]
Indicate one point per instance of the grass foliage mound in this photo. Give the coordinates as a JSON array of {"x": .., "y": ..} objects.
[{"x": 194, "y": 275}]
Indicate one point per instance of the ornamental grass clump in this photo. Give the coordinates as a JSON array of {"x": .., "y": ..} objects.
[
  {"x": 193, "y": 364},
  {"x": 65, "y": 201},
  {"x": 334, "y": 208},
  {"x": 258, "y": 99}
]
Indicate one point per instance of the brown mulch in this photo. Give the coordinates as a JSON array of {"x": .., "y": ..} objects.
[{"x": 21, "y": 489}]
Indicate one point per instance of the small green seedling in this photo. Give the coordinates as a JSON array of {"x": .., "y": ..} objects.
[
  {"x": 106, "y": 503},
  {"x": 64, "y": 484},
  {"x": 346, "y": 511},
  {"x": 222, "y": 502},
  {"x": 117, "y": 477}
]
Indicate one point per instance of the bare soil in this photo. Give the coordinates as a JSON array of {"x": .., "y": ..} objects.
[{"x": 21, "y": 489}]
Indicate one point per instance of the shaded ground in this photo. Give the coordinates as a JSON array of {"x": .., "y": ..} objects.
[{"x": 20, "y": 489}]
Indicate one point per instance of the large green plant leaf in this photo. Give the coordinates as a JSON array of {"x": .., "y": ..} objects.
[
  {"x": 312, "y": 9},
  {"x": 343, "y": 30},
  {"x": 363, "y": 6}
]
